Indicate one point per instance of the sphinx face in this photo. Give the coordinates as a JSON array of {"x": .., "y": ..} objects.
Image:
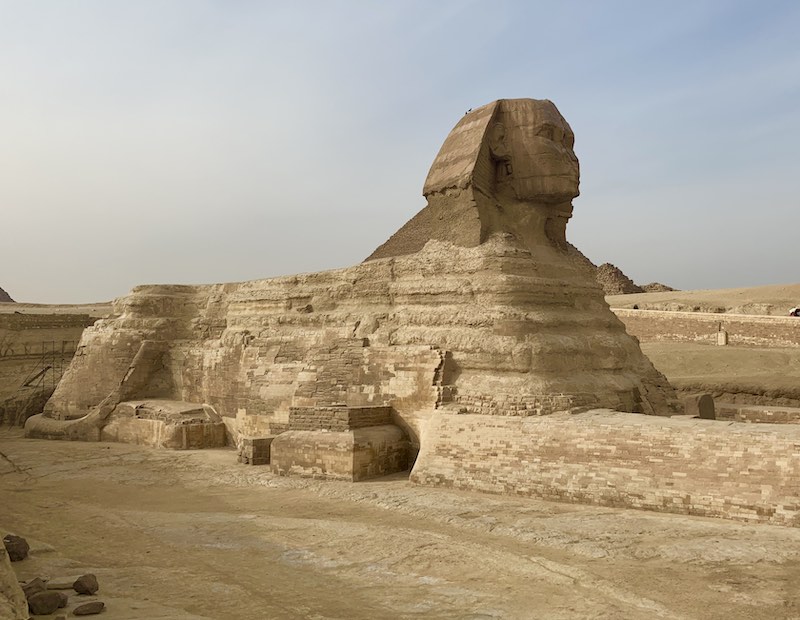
[{"x": 539, "y": 161}]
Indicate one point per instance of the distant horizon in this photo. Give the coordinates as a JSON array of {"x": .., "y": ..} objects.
[
  {"x": 199, "y": 284},
  {"x": 204, "y": 141}
]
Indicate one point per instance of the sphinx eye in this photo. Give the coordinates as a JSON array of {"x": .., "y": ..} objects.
[{"x": 545, "y": 132}]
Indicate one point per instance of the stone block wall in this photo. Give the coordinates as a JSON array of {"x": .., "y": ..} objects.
[
  {"x": 742, "y": 329},
  {"x": 767, "y": 415},
  {"x": 28, "y": 342},
  {"x": 337, "y": 418},
  {"x": 313, "y": 454},
  {"x": 352, "y": 455},
  {"x": 157, "y": 433},
  {"x": 254, "y": 450},
  {"x": 379, "y": 451},
  {"x": 517, "y": 405},
  {"x": 749, "y": 472}
]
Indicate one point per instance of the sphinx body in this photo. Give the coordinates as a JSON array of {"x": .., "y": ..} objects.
[{"x": 478, "y": 306}]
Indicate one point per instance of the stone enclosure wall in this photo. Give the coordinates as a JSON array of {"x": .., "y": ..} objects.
[
  {"x": 37, "y": 347},
  {"x": 659, "y": 326},
  {"x": 747, "y": 472},
  {"x": 25, "y": 337},
  {"x": 767, "y": 415}
]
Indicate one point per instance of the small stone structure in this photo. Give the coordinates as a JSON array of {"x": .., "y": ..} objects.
[
  {"x": 347, "y": 443},
  {"x": 254, "y": 450},
  {"x": 165, "y": 424}
]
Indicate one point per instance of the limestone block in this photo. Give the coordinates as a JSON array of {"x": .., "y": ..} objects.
[
  {"x": 348, "y": 455},
  {"x": 700, "y": 405},
  {"x": 164, "y": 423},
  {"x": 254, "y": 450}
]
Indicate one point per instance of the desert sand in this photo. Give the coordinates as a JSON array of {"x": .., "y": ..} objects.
[{"x": 191, "y": 534}]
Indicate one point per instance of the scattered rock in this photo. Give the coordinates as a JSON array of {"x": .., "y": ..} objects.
[
  {"x": 16, "y": 546},
  {"x": 89, "y": 609},
  {"x": 34, "y": 586},
  {"x": 43, "y": 603},
  {"x": 86, "y": 584}
]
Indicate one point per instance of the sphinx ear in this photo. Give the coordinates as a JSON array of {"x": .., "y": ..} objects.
[{"x": 497, "y": 142}]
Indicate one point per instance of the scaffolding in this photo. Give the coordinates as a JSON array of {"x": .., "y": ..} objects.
[
  {"x": 50, "y": 366},
  {"x": 32, "y": 393}
]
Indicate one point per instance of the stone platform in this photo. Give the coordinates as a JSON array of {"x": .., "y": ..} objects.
[
  {"x": 341, "y": 443},
  {"x": 165, "y": 424}
]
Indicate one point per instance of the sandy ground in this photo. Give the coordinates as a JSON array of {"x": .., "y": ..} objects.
[{"x": 196, "y": 535}]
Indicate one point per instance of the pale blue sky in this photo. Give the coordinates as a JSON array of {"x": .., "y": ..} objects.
[{"x": 196, "y": 141}]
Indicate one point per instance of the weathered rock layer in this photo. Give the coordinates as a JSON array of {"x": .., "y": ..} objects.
[{"x": 494, "y": 329}]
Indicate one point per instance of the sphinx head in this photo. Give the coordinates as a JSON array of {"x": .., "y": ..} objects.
[
  {"x": 506, "y": 168},
  {"x": 514, "y": 148},
  {"x": 531, "y": 144}
]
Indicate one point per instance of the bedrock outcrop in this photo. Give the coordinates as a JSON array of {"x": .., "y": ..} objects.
[{"x": 477, "y": 306}]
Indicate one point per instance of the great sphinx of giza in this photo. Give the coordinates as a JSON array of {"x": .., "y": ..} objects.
[{"x": 477, "y": 308}]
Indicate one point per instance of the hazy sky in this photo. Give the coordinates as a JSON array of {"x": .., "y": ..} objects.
[{"x": 197, "y": 141}]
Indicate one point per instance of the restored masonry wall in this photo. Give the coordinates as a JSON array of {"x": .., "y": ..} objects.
[
  {"x": 29, "y": 342},
  {"x": 746, "y": 472},
  {"x": 23, "y": 334},
  {"x": 655, "y": 325},
  {"x": 769, "y": 415}
]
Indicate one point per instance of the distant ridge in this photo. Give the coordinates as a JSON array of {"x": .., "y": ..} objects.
[{"x": 5, "y": 297}]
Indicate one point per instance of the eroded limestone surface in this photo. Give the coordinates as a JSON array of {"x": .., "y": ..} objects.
[
  {"x": 477, "y": 306},
  {"x": 12, "y": 599}
]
